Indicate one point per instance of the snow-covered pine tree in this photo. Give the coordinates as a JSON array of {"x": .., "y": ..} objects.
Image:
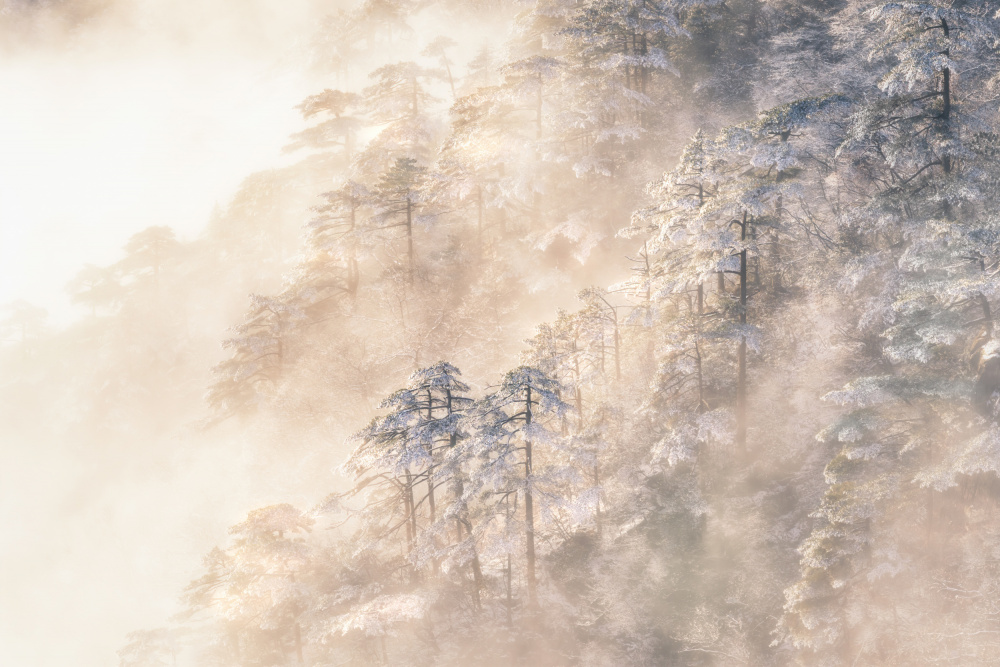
[
  {"x": 920, "y": 239},
  {"x": 512, "y": 446},
  {"x": 709, "y": 218},
  {"x": 622, "y": 48},
  {"x": 396, "y": 465}
]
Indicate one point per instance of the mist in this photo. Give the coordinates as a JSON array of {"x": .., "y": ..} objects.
[
  {"x": 144, "y": 114},
  {"x": 135, "y": 115},
  {"x": 498, "y": 333}
]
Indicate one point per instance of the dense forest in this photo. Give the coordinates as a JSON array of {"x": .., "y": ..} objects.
[{"x": 580, "y": 332}]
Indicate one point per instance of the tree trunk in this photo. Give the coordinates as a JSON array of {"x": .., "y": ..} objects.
[
  {"x": 618, "y": 361},
  {"x": 577, "y": 392},
  {"x": 430, "y": 481},
  {"x": 409, "y": 235},
  {"x": 538, "y": 110},
  {"x": 529, "y": 514},
  {"x": 649, "y": 277},
  {"x": 411, "y": 518},
  {"x": 414, "y": 97},
  {"x": 451, "y": 80},
  {"x": 353, "y": 273},
  {"x": 946, "y": 82},
  {"x": 479, "y": 220},
  {"x": 501, "y": 171},
  {"x": 430, "y": 468},
  {"x": 597, "y": 509},
  {"x": 946, "y": 109},
  {"x": 628, "y": 71},
  {"x": 477, "y": 570},
  {"x": 643, "y": 70},
  {"x": 741, "y": 383},
  {"x": 702, "y": 403},
  {"x": 510, "y": 596}
]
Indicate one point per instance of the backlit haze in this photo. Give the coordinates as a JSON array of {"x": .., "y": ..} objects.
[
  {"x": 143, "y": 114},
  {"x": 147, "y": 114},
  {"x": 548, "y": 333}
]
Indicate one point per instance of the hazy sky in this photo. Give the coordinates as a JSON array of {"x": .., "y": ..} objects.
[{"x": 147, "y": 116}]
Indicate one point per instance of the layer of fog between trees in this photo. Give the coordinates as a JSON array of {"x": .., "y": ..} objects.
[{"x": 579, "y": 333}]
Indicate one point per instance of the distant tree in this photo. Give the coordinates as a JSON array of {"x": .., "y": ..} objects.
[
  {"x": 479, "y": 164},
  {"x": 337, "y": 237},
  {"x": 96, "y": 287},
  {"x": 569, "y": 350},
  {"x": 620, "y": 47},
  {"x": 438, "y": 48},
  {"x": 337, "y": 127},
  {"x": 147, "y": 251},
  {"x": 349, "y": 34},
  {"x": 603, "y": 316},
  {"x": 149, "y": 648},
  {"x": 384, "y": 21},
  {"x": 259, "y": 353},
  {"x": 260, "y": 222},
  {"x": 482, "y": 71},
  {"x": 255, "y": 586},
  {"x": 398, "y": 101},
  {"x": 23, "y": 322},
  {"x": 397, "y": 197}
]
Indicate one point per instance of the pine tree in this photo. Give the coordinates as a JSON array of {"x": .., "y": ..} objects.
[
  {"x": 399, "y": 101},
  {"x": 147, "y": 252},
  {"x": 510, "y": 427},
  {"x": 336, "y": 127},
  {"x": 337, "y": 240},
  {"x": 397, "y": 202},
  {"x": 711, "y": 212},
  {"x": 623, "y": 46},
  {"x": 438, "y": 48},
  {"x": 23, "y": 322},
  {"x": 255, "y": 586},
  {"x": 403, "y": 458},
  {"x": 259, "y": 353},
  {"x": 96, "y": 287},
  {"x": 919, "y": 170}
]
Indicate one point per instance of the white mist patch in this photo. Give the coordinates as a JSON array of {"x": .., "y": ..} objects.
[{"x": 130, "y": 130}]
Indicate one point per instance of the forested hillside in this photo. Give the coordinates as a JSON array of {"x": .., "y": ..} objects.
[{"x": 580, "y": 332}]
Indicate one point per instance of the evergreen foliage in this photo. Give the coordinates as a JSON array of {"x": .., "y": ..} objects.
[{"x": 721, "y": 278}]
